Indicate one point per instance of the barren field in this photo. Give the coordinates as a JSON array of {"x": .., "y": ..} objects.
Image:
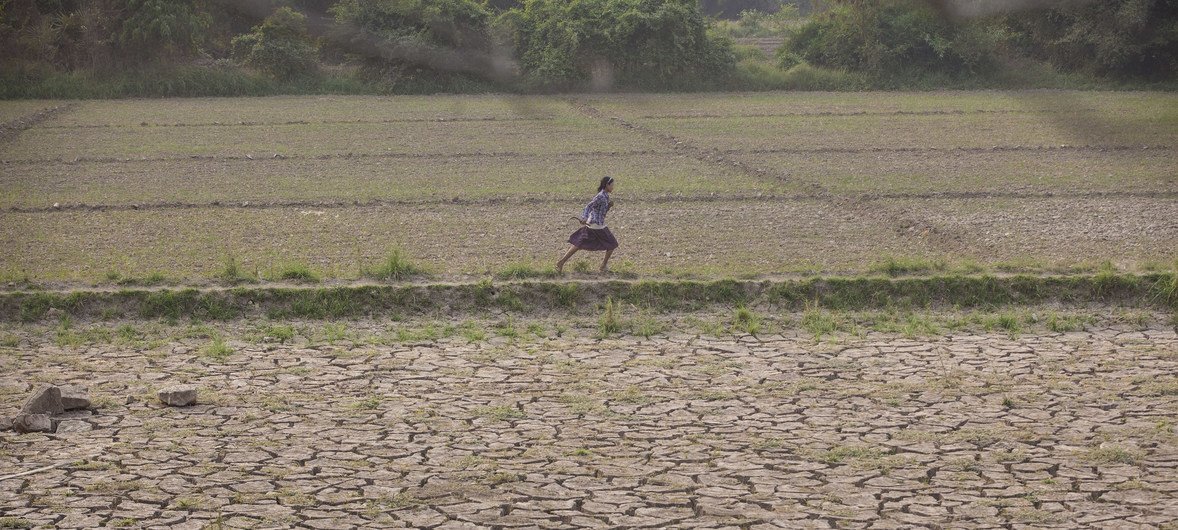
[
  {"x": 954, "y": 401},
  {"x": 709, "y": 185},
  {"x": 543, "y": 424}
]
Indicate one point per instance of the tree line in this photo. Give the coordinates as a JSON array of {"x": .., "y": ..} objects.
[{"x": 556, "y": 45}]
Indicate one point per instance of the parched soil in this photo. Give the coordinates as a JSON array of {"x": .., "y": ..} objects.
[{"x": 1064, "y": 430}]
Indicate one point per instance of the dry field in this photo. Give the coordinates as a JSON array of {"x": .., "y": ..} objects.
[
  {"x": 709, "y": 185},
  {"x": 544, "y": 424}
]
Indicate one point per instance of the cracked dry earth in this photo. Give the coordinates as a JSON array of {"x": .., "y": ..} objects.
[{"x": 1070, "y": 430}]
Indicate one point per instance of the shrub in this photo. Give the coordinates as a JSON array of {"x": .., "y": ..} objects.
[
  {"x": 890, "y": 38},
  {"x": 395, "y": 267},
  {"x": 434, "y": 44},
  {"x": 609, "y": 43},
  {"x": 279, "y": 46}
]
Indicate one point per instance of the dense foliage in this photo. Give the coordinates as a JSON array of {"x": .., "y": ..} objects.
[
  {"x": 885, "y": 38},
  {"x": 631, "y": 43},
  {"x": 279, "y": 46},
  {"x": 891, "y": 37},
  {"x": 546, "y": 45},
  {"x": 1136, "y": 38}
]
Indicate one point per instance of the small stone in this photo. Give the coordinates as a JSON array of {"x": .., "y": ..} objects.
[
  {"x": 26, "y": 423},
  {"x": 74, "y": 399},
  {"x": 178, "y": 395},
  {"x": 68, "y": 426},
  {"x": 47, "y": 400}
]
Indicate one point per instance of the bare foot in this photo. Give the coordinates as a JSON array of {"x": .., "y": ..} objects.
[{"x": 560, "y": 267}]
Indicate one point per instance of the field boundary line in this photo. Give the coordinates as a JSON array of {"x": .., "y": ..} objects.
[
  {"x": 702, "y": 154},
  {"x": 524, "y": 200},
  {"x": 547, "y": 296},
  {"x": 146, "y": 125},
  {"x": 326, "y": 156},
  {"x": 835, "y": 113},
  {"x": 10, "y": 129}
]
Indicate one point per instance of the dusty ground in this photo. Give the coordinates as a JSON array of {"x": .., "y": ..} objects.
[{"x": 1066, "y": 430}]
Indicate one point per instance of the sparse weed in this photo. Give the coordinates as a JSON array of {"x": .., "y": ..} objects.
[
  {"x": 232, "y": 273},
  {"x": 217, "y": 350},
  {"x": 1112, "y": 455},
  {"x": 499, "y": 412},
  {"x": 894, "y": 266},
  {"x": 297, "y": 272},
  {"x": 608, "y": 324},
  {"x": 524, "y": 271},
  {"x": 646, "y": 326},
  {"x": 395, "y": 267},
  {"x": 820, "y": 322},
  {"x": 746, "y": 321}
]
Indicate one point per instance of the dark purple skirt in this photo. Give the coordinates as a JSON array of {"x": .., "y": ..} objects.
[{"x": 593, "y": 239}]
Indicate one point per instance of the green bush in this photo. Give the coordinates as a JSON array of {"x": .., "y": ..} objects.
[
  {"x": 154, "y": 29},
  {"x": 601, "y": 44},
  {"x": 1133, "y": 38},
  {"x": 279, "y": 46},
  {"x": 424, "y": 45},
  {"x": 892, "y": 38}
]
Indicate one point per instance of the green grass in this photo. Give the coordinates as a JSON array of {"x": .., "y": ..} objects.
[
  {"x": 395, "y": 267},
  {"x": 217, "y": 350},
  {"x": 609, "y": 323},
  {"x": 524, "y": 271},
  {"x": 1113, "y": 455},
  {"x": 499, "y": 413},
  {"x": 895, "y": 266},
  {"x": 821, "y": 299},
  {"x": 297, "y": 272},
  {"x": 820, "y": 322}
]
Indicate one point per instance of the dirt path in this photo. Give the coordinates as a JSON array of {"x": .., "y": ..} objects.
[{"x": 1068, "y": 430}]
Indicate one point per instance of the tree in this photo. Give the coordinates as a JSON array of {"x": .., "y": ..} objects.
[
  {"x": 888, "y": 38},
  {"x": 280, "y": 46},
  {"x": 1137, "y": 38},
  {"x": 154, "y": 29},
  {"x": 439, "y": 39},
  {"x": 633, "y": 43}
]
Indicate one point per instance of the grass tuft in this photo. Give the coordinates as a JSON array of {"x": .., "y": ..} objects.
[
  {"x": 895, "y": 266},
  {"x": 217, "y": 350},
  {"x": 395, "y": 267},
  {"x": 609, "y": 324},
  {"x": 298, "y": 272},
  {"x": 524, "y": 271}
]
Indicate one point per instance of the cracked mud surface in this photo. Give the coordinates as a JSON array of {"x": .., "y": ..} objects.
[{"x": 1068, "y": 430}]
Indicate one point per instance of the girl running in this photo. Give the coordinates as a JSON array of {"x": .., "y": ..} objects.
[{"x": 593, "y": 234}]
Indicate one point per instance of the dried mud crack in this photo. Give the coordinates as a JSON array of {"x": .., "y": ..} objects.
[{"x": 1067, "y": 430}]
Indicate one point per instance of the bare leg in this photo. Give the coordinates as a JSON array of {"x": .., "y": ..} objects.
[
  {"x": 567, "y": 255},
  {"x": 605, "y": 261}
]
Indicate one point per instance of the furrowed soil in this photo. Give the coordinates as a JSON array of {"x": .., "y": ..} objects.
[
  {"x": 709, "y": 185},
  {"x": 549, "y": 424}
]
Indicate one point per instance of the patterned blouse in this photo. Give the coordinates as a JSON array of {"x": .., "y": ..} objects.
[{"x": 594, "y": 213}]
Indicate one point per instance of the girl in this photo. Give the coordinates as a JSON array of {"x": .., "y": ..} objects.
[{"x": 593, "y": 235}]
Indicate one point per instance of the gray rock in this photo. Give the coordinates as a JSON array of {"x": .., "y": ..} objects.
[
  {"x": 68, "y": 426},
  {"x": 32, "y": 423},
  {"x": 46, "y": 400},
  {"x": 74, "y": 399},
  {"x": 178, "y": 395},
  {"x": 5, "y": 423}
]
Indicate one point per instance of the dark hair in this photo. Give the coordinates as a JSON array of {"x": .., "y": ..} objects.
[{"x": 605, "y": 181}]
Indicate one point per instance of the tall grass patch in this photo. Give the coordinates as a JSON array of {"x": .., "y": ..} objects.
[{"x": 395, "y": 267}]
